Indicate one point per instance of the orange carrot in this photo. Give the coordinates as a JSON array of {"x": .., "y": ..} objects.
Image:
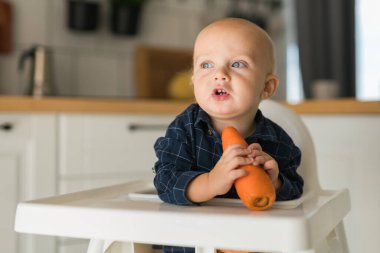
[{"x": 255, "y": 189}]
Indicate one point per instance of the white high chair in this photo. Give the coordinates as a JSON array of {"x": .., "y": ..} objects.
[{"x": 133, "y": 214}]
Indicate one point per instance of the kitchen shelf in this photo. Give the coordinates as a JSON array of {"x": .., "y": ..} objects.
[{"x": 166, "y": 106}]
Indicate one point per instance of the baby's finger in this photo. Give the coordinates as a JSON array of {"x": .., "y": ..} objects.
[
  {"x": 271, "y": 166},
  {"x": 255, "y": 146},
  {"x": 233, "y": 146},
  {"x": 255, "y": 153},
  {"x": 239, "y": 161},
  {"x": 271, "y": 163},
  {"x": 235, "y": 174},
  {"x": 236, "y": 150},
  {"x": 259, "y": 160}
]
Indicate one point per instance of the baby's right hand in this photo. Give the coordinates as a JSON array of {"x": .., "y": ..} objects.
[{"x": 227, "y": 170}]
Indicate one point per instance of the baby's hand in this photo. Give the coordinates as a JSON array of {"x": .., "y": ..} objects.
[
  {"x": 226, "y": 171},
  {"x": 260, "y": 158}
]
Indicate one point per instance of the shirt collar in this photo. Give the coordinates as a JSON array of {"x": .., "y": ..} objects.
[
  {"x": 264, "y": 128},
  {"x": 202, "y": 118}
]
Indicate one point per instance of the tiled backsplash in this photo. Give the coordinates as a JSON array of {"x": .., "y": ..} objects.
[{"x": 99, "y": 63}]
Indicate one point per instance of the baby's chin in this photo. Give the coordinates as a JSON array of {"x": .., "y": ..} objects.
[{"x": 220, "y": 112}]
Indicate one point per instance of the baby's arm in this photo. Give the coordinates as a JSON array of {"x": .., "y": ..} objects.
[{"x": 221, "y": 178}]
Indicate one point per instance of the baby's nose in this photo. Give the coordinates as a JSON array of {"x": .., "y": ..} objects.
[{"x": 221, "y": 75}]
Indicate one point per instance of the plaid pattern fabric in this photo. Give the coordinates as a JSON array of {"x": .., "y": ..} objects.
[{"x": 191, "y": 147}]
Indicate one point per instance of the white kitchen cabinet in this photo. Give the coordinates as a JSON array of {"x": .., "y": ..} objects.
[
  {"x": 97, "y": 150},
  {"x": 8, "y": 200},
  {"x": 48, "y": 154},
  {"x": 104, "y": 149},
  {"x": 27, "y": 159}
]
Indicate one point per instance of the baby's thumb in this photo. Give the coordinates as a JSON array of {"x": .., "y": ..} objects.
[{"x": 237, "y": 173}]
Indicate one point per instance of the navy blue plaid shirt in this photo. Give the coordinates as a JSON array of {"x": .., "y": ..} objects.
[{"x": 191, "y": 147}]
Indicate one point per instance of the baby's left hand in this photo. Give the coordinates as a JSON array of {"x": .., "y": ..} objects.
[{"x": 260, "y": 158}]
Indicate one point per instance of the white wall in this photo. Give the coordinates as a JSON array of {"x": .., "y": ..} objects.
[
  {"x": 96, "y": 63},
  {"x": 348, "y": 156},
  {"x": 99, "y": 63}
]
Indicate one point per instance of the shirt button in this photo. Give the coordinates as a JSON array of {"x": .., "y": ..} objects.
[{"x": 209, "y": 132}]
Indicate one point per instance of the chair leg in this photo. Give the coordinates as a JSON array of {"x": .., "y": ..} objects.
[
  {"x": 337, "y": 240},
  {"x": 95, "y": 246}
]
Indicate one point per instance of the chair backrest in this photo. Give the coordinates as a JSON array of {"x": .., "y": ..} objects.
[{"x": 292, "y": 123}]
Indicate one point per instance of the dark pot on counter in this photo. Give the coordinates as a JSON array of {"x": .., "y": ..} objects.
[
  {"x": 82, "y": 15},
  {"x": 125, "y": 16}
]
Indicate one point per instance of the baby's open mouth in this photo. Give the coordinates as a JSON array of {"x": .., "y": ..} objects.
[{"x": 220, "y": 92}]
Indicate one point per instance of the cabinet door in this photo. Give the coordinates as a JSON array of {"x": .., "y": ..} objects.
[
  {"x": 98, "y": 150},
  {"x": 27, "y": 167},
  {"x": 8, "y": 198}
]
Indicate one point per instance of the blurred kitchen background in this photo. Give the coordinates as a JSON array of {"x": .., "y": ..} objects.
[
  {"x": 81, "y": 51},
  {"x": 90, "y": 54}
]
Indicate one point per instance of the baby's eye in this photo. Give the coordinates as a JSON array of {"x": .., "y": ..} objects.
[
  {"x": 238, "y": 64},
  {"x": 206, "y": 65}
]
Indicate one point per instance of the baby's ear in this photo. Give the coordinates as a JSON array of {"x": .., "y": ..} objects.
[{"x": 271, "y": 85}]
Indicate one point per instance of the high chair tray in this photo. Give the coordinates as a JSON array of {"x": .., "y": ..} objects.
[
  {"x": 113, "y": 213},
  {"x": 150, "y": 194}
]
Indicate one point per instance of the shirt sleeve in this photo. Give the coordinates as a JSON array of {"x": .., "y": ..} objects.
[
  {"x": 292, "y": 182},
  {"x": 174, "y": 168}
]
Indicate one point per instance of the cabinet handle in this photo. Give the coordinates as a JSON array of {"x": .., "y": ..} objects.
[
  {"x": 6, "y": 126},
  {"x": 146, "y": 127}
]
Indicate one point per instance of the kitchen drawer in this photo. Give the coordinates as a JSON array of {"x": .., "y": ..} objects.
[
  {"x": 14, "y": 127},
  {"x": 108, "y": 144}
]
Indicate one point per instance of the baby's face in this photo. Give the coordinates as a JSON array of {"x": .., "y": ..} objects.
[{"x": 230, "y": 70}]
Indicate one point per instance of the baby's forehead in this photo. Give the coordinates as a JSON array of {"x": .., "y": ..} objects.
[
  {"x": 231, "y": 41},
  {"x": 233, "y": 33}
]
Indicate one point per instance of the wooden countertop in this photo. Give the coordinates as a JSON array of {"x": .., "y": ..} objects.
[{"x": 149, "y": 106}]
